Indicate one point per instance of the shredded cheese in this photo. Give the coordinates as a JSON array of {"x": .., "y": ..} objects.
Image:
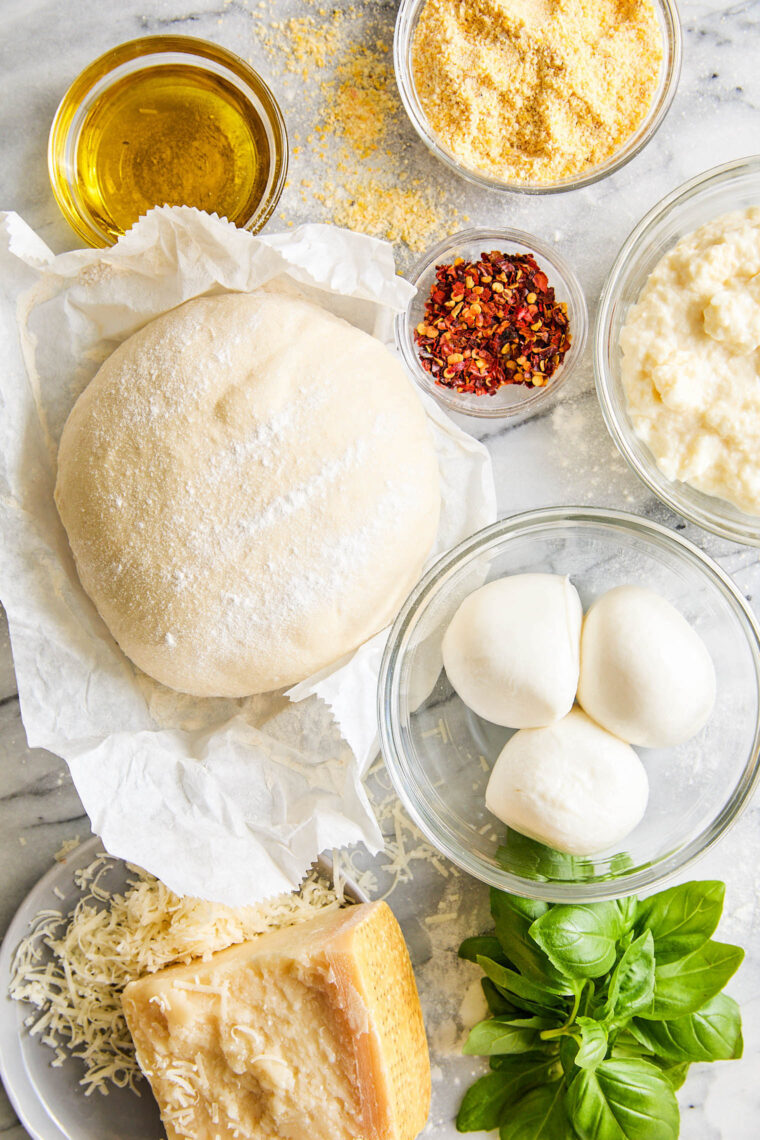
[
  {"x": 73, "y": 967},
  {"x": 65, "y": 849}
]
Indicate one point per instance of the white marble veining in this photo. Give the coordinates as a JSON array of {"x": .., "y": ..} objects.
[{"x": 563, "y": 456}]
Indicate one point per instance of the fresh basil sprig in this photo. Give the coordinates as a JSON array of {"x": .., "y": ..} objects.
[{"x": 597, "y": 1012}]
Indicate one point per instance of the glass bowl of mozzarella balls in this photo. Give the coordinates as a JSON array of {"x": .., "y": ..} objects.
[{"x": 569, "y": 704}]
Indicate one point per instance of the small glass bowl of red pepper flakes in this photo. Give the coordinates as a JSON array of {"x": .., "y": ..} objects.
[{"x": 498, "y": 322}]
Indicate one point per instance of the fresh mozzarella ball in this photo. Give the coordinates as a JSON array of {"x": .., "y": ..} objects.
[
  {"x": 645, "y": 674},
  {"x": 571, "y": 785},
  {"x": 512, "y": 649}
]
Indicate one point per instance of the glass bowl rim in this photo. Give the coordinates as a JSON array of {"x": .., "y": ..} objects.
[
  {"x": 579, "y": 315},
  {"x": 666, "y": 490},
  {"x": 672, "y": 40},
  {"x": 647, "y": 877},
  {"x": 95, "y": 78}
]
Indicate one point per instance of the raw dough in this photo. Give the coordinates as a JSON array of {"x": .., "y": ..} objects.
[
  {"x": 250, "y": 490},
  {"x": 511, "y": 650},
  {"x": 571, "y": 785},
  {"x": 645, "y": 674}
]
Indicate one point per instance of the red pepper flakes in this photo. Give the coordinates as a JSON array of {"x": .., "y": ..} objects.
[{"x": 492, "y": 322}]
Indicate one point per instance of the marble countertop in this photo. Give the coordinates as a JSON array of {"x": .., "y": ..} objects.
[{"x": 563, "y": 456}]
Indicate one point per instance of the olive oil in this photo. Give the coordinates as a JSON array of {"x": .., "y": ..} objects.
[
  {"x": 173, "y": 135},
  {"x": 166, "y": 120}
]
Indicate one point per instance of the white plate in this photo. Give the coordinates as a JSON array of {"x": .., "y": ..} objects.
[{"x": 50, "y": 1103}]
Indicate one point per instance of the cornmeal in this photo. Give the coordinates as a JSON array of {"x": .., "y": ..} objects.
[
  {"x": 691, "y": 360},
  {"x": 536, "y": 90}
]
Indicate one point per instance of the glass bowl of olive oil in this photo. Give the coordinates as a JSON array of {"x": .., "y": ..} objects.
[{"x": 166, "y": 120}]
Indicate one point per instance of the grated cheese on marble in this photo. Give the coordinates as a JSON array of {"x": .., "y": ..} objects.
[
  {"x": 73, "y": 967},
  {"x": 66, "y": 848}
]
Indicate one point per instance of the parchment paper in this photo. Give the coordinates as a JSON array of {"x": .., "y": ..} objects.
[{"x": 230, "y": 800}]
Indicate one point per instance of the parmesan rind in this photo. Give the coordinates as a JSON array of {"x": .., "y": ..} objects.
[{"x": 312, "y": 1033}]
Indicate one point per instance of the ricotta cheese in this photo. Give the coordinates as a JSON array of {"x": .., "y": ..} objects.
[{"x": 691, "y": 367}]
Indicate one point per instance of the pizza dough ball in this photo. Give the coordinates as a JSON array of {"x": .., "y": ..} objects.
[
  {"x": 250, "y": 490},
  {"x": 511, "y": 650},
  {"x": 645, "y": 674},
  {"x": 571, "y": 785}
]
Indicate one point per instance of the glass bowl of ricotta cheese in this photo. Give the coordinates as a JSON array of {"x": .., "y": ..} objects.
[
  {"x": 677, "y": 350},
  {"x": 440, "y": 754}
]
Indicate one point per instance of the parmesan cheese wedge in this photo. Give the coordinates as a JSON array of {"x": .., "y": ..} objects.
[{"x": 307, "y": 1033}]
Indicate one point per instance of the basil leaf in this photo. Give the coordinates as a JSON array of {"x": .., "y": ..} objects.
[
  {"x": 621, "y": 861},
  {"x": 485, "y": 945},
  {"x": 515, "y": 983},
  {"x": 675, "y": 1075},
  {"x": 632, "y": 982},
  {"x": 486, "y": 1102},
  {"x": 713, "y": 1033},
  {"x": 628, "y": 908},
  {"x": 580, "y": 940},
  {"x": 547, "y": 1053},
  {"x": 623, "y": 1100},
  {"x": 534, "y": 860},
  {"x": 528, "y": 908},
  {"x": 682, "y": 918},
  {"x": 539, "y": 1115},
  {"x": 593, "y": 1043},
  {"x": 568, "y": 1051},
  {"x": 684, "y": 986},
  {"x": 512, "y": 920},
  {"x": 497, "y": 1035},
  {"x": 498, "y": 1003},
  {"x": 626, "y": 1045},
  {"x": 523, "y": 1006}
]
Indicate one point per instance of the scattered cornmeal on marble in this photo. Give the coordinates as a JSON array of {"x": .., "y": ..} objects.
[
  {"x": 492, "y": 322},
  {"x": 536, "y": 91},
  {"x": 166, "y": 121},
  {"x": 361, "y": 178}
]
